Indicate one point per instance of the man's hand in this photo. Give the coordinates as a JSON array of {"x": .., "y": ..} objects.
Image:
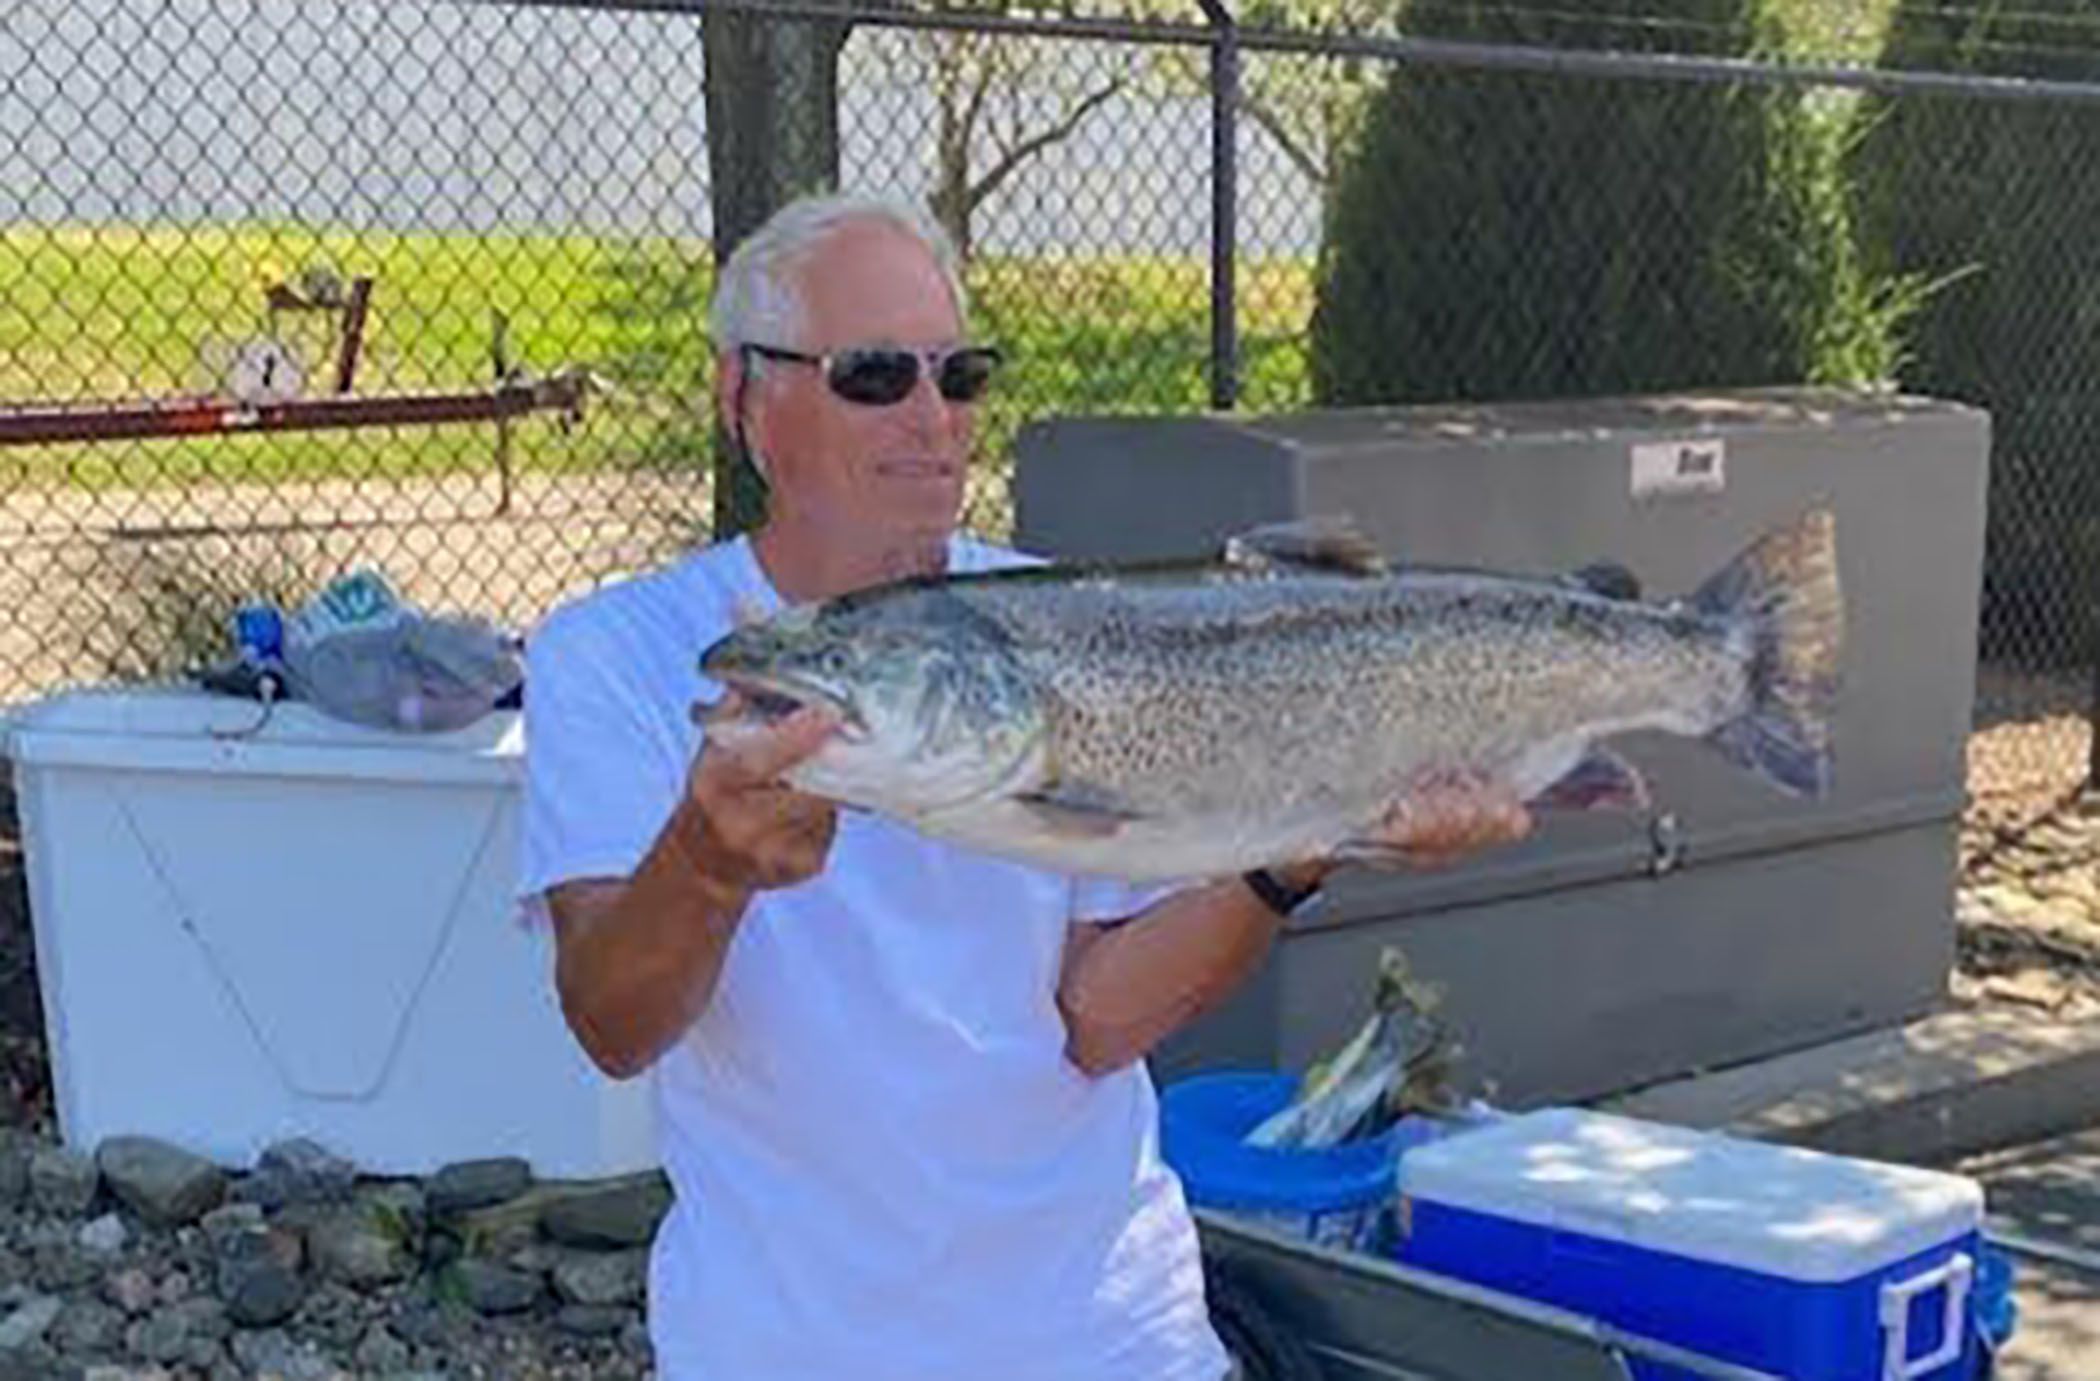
[
  {"x": 1444, "y": 820},
  {"x": 637, "y": 958},
  {"x": 1125, "y": 989},
  {"x": 743, "y": 827},
  {"x": 1449, "y": 818}
]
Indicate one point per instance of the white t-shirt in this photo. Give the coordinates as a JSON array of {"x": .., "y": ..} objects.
[{"x": 884, "y": 1164}]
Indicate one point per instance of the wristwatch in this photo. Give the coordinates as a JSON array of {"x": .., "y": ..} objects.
[{"x": 1281, "y": 897}]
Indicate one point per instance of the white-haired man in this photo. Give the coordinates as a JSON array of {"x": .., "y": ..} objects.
[{"x": 900, "y": 1087}]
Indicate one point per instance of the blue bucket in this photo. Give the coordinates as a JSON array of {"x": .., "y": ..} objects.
[{"x": 1332, "y": 1195}]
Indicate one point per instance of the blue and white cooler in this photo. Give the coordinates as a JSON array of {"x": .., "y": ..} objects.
[{"x": 1790, "y": 1262}]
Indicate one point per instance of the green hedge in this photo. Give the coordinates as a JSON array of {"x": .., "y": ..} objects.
[
  {"x": 2000, "y": 202},
  {"x": 1504, "y": 234}
]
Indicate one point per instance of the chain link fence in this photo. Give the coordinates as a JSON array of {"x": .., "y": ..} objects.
[{"x": 293, "y": 286}]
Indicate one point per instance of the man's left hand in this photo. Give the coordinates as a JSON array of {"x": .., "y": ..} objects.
[{"x": 1440, "y": 823}]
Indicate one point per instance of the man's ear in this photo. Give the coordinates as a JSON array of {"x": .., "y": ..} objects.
[{"x": 729, "y": 374}]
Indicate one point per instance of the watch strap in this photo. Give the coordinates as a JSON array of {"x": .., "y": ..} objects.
[{"x": 1278, "y": 895}]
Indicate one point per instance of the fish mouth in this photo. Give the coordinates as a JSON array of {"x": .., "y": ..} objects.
[{"x": 770, "y": 699}]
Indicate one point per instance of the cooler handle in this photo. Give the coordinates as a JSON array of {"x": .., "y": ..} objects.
[{"x": 1955, "y": 1273}]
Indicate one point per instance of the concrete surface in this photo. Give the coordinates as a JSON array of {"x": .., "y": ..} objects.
[
  {"x": 1959, "y": 1082},
  {"x": 2048, "y": 1193}
]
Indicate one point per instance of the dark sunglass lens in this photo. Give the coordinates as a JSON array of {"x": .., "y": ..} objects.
[
  {"x": 966, "y": 374},
  {"x": 875, "y": 376}
]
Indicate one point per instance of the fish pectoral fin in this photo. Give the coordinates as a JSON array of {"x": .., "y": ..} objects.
[
  {"x": 1079, "y": 808},
  {"x": 1601, "y": 780},
  {"x": 1322, "y": 543}
]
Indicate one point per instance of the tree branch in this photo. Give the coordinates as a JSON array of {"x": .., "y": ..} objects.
[
  {"x": 1273, "y": 124},
  {"x": 1028, "y": 148}
]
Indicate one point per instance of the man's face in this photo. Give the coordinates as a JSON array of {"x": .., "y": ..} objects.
[{"x": 876, "y": 472}]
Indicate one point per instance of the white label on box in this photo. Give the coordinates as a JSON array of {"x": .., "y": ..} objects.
[{"x": 1679, "y": 467}]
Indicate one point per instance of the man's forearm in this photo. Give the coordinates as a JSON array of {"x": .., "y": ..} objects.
[
  {"x": 639, "y": 967},
  {"x": 1130, "y": 987}
]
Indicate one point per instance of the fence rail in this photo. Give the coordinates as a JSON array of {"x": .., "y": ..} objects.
[{"x": 1184, "y": 210}]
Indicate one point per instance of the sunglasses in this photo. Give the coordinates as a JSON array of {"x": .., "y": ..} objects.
[{"x": 879, "y": 375}]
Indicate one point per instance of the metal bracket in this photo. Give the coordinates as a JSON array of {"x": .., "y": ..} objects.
[{"x": 1665, "y": 844}]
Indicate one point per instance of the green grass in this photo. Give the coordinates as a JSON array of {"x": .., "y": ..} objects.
[{"x": 126, "y": 312}]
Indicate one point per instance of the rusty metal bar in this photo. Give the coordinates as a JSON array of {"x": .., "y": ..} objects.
[
  {"x": 34, "y": 424},
  {"x": 353, "y": 332}
]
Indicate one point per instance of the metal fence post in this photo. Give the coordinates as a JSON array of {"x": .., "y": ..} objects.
[
  {"x": 1224, "y": 204},
  {"x": 2092, "y": 766}
]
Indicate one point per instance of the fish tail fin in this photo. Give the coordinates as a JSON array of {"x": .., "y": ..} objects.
[{"x": 1783, "y": 593}]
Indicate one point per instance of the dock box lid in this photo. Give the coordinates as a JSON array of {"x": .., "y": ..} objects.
[
  {"x": 172, "y": 728},
  {"x": 1785, "y": 1211}
]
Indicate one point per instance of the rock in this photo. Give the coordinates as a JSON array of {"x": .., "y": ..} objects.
[
  {"x": 34, "y": 1362},
  {"x": 60, "y": 1267},
  {"x": 635, "y": 1342},
  {"x": 16, "y": 1149},
  {"x": 601, "y": 1278},
  {"x": 88, "y": 1326},
  {"x": 229, "y": 1220},
  {"x": 538, "y": 1258},
  {"x": 258, "y": 1273},
  {"x": 622, "y": 1214},
  {"x": 165, "y": 1185},
  {"x": 380, "y": 1351},
  {"x": 438, "y": 1327},
  {"x": 62, "y": 1182},
  {"x": 202, "y": 1317},
  {"x": 475, "y": 1184},
  {"x": 161, "y": 1337},
  {"x": 500, "y": 1230},
  {"x": 28, "y": 1323},
  {"x": 333, "y": 1315},
  {"x": 131, "y": 1290},
  {"x": 260, "y": 1294},
  {"x": 105, "y": 1236},
  {"x": 355, "y": 1248},
  {"x": 493, "y": 1289},
  {"x": 399, "y": 1201},
  {"x": 116, "y": 1373},
  {"x": 273, "y": 1352},
  {"x": 300, "y": 1171},
  {"x": 175, "y": 1287},
  {"x": 591, "y": 1320}
]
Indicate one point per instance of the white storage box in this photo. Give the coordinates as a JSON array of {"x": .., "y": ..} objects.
[
  {"x": 1790, "y": 1262},
  {"x": 306, "y": 931}
]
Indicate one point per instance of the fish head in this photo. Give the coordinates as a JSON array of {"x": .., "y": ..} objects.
[{"x": 933, "y": 707}]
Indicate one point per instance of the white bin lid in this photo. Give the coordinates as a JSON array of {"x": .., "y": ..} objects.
[
  {"x": 1786, "y": 1211},
  {"x": 180, "y": 728}
]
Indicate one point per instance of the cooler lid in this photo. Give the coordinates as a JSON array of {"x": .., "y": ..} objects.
[
  {"x": 1786, "y": 1211},
  {"x": 182, "y": 728}
]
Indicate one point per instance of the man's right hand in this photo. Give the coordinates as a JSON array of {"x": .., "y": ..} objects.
[
  {"x": 637, "y": 958},
  {"x": 744, "y": 827}
]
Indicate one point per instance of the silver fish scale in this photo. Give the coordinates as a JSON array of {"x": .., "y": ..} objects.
[{"x": 1313, "y": 690}]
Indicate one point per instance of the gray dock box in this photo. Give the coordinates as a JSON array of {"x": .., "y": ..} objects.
[{"x": 1574, "y": 964}]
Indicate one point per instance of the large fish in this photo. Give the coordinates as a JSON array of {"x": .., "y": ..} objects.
[{"x": 1191, "y": 719}]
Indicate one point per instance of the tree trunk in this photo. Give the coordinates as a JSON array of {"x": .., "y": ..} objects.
[{"x": 772, "y": 135}]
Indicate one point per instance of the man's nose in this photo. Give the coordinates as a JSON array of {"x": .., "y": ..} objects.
[{"x": 925, "y": 410}]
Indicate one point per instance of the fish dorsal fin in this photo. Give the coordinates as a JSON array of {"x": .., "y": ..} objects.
[
  {"x": 1332, "y": 543},
  {"x": 1607, "y": 578}
]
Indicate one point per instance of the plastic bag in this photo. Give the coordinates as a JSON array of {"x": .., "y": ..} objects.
[{"x": 358, "y": 653}]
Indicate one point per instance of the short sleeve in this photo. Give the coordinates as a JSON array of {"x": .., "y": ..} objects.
[
  {"x": 1101, "y": 900},
  {"x": 593, "y": 799}
]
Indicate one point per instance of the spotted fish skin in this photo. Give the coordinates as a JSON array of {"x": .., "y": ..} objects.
[{"x": 1195, "y": 719}]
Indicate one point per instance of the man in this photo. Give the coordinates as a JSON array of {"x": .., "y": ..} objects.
[{"x": 899, "y": 1085}]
